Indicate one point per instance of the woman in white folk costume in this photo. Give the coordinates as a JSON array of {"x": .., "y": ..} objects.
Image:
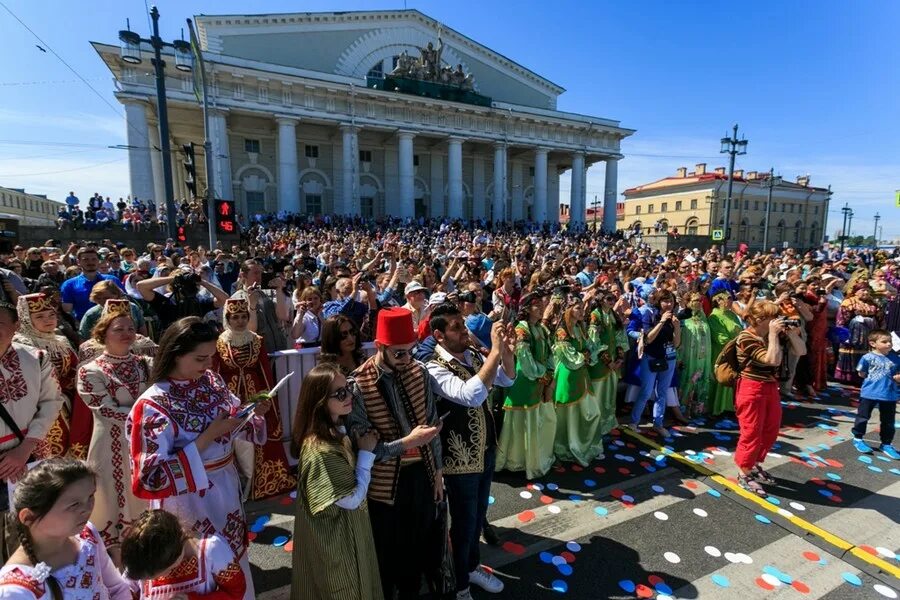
[
  {"x": 110, "y": 385},
  {"x": 182, "y": 432},
  {"x": 91, "y": 348},
  {"x": 242, "y": 361},
  {"x": 71, "y": 434}
]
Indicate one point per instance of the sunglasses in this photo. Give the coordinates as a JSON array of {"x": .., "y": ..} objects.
[
  {"x": 341, "y": 394},
  {"x": 398, "y": 354},
  {"x": 347, "y": 333}
]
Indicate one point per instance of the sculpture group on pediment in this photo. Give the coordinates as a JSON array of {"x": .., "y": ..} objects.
[{"x": 428, "y": 67}]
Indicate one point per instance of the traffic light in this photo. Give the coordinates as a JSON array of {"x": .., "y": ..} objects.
[
  {"x": 182, "y": 237},
  {"x": 190, "y": 169},
  {"x": 225, "y": 222}
]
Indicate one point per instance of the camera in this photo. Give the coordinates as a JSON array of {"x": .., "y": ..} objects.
[
  {"x": 791, "y": 323},
  {"x": 468, "y": 297}
]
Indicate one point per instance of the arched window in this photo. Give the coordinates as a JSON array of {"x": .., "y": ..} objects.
[
  {"x": 692, "y": 225},
  {"x": 797, "y": 227},
  {"x": 744, "y": 231},
  {"x": 779, "y": 231},
  {"x": 814, "y": 234}
]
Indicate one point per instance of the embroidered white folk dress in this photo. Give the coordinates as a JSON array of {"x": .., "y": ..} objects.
[
  {"x": 92, "y": 576},
  {"x": 213, "y": 569},
  {"x": 202, "y": 488}
]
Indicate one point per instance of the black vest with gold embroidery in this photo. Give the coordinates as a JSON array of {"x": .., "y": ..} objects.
[{"x": 468, "y": 432}]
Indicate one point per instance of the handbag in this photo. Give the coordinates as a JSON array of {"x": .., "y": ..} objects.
[
  {"x": 658, "y": 365},
  {"x": 441, "y": 574}
]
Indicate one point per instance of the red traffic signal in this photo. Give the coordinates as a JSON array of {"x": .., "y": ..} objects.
[
  {"x": 225, "y": 222},
  {"x": 182, "y": 237}
]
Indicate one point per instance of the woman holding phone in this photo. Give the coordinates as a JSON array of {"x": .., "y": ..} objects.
[{"x": 182, "y": 431}]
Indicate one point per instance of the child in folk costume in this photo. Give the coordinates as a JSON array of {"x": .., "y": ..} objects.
[
  {"x": 110, "y": 385},
  {"x": 182, "y": 432},
  {"x": 332, "y": 516},
  {"x": 61, "y": 553},
  {"x": 71, "y": 434},
  {"x": 242, "y": 361},
  {"x": 172, "y": 563}
]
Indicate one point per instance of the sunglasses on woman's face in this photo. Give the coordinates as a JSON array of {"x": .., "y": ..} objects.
[
  {"x": 340, "y": 394},
  {"x": 345, "y": 333}
]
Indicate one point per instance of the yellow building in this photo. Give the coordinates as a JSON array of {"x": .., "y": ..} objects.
[
  {"x": 694, "y": 204},
  {"x": 30, "y": 209}
]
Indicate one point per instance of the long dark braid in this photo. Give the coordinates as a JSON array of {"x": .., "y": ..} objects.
[{"x": 26, "y": 543}]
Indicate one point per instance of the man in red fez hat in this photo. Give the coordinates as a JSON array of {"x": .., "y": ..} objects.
[{"x": 392, "y": 394}]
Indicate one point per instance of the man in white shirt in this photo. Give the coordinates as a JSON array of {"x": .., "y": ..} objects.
[{"x": 462, "y": 378}]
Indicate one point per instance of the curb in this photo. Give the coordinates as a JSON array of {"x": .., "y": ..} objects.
[{"x": 829, "y": 538}]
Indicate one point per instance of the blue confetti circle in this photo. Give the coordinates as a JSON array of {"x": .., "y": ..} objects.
[
  {"x": 281, "y": 540},
  {"x": 552, "y": 487},
  {"x": 491, "y": 500},
  {"x": 627, "y": 586},
  {"x": 833, "y": 476},
  {"x": 546, "y": 557},
  {"x": 573, "y": 547},
  {"x": 714, "y": 493},
  {"x": 773, "y": 500},
  {"x": 851, "y": 579},
  {"x": 720, "y": 580},
  {"x": 575, "y": 497},
  {"x": 662, "y": 588},
  {"x": 826, "y": 493},
  {"x": 559, "y": 586},
  {"x": 763, "y": 519},
  {"x": 558, "y": 560},
  {"x": 590, "y": 483},
  {"x": 864, "y": 459},
  {"x": 601, "y": 512},
  {"x": 875, "y": 469},
  {"x": 564, "y": 569}
]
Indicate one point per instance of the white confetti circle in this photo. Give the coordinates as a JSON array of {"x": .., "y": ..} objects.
[
  {"x": 664, "y": 597},
  {"x": 661, "y": 515},
  {"x": 672, "y": 558},
  {"x": 774, "y": 455},
  {"x": 885, "y": 591},
  {"x": 713, "y": 551},
  {"x": 525, "y": 494},
  {"x": 743, "y": 558},
  {"x": 885, "y": 552},
  {"x": 553, "y": 509},
  {"x": 785, "y": 513},
  {"x": 700, "y": 512},
  {"x": 732, "y": 557},
  {"x": 771, "y": 579},
  {"x": 797, "y": 506}
]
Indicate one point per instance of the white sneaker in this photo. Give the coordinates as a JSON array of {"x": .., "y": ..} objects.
[
  {"x": 485, "y": 581},
  {"x": 464, "y": 595}
]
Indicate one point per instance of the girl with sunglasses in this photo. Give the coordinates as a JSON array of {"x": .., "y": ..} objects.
[{"x": 332, "y": 516}]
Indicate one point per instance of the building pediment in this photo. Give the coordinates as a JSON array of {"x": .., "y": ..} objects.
[{"x": 352, "y": 44}]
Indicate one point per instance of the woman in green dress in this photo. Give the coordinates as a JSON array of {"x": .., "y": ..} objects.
[
  {"x": 529, "y": 422},
  {"x": 605, "y": 343},
  {"x": 337, "y": 558},
  {"x": 577, "y": 408},
  {"x": 694, "y": 357},
  {"x": 724, "y": 326}
]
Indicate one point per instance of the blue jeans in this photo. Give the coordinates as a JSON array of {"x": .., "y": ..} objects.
[
  {"x": 467, "y": 496},
  {"x": 651, "y": 381}
]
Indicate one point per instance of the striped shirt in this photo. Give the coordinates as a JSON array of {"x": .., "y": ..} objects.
[{"x": 751, "y": 354}]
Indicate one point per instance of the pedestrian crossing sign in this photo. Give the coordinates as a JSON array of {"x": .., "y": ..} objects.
[{"x": 718, "y": 235}]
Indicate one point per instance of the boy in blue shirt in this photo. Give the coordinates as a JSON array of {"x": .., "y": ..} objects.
[{"x": 880, "y": 370}]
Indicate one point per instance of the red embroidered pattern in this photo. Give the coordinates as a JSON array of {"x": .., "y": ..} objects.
[
  {"x": 23, "y": 580},
  {"x": 12, "y": 387}
]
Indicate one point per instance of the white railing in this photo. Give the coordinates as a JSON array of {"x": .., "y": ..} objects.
[{"x": 300, "y": 362}]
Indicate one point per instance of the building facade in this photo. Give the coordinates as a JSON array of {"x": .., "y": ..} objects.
[
  {"x": 29, "y": 209},
  {"x": 308, "y": 119},
  {"x": 694, "y": 204}
]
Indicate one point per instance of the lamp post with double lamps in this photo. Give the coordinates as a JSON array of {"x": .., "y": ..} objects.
[
  {"x": 733, "y": 146},
  {"x": 131, "y": 54}
]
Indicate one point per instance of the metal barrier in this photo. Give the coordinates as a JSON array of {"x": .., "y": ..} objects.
[{"x": 300, "y": 362}]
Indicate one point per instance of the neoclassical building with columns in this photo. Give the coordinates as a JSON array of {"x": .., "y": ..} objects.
[{"x": 308, "y": 117}]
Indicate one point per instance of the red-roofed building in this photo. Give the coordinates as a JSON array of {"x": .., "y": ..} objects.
[{"x": 693, "y": 203}]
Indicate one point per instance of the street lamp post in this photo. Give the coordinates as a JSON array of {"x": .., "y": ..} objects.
[
  {"x": 875, "y": 235},
  {"x": 773, "y": 181},
  {"x": 131, "y": 53},
  {"x": 733, "y": 146}
]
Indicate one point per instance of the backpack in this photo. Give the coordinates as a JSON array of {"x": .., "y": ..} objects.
[{"x": 727, "y": 369}]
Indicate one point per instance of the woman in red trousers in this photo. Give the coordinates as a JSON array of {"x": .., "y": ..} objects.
[{"x": 757, "y": 401}]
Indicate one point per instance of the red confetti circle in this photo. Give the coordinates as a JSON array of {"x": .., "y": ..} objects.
[
  {"x": 617, "y": 493},
  {"x": 835, "y": 498},
  {"x": 811, "y": 556},
  {"x": 764, "y": 584},
  {"x": 514, "y": 548},
  {"x": 833, "y": 487},
  {"x": 834, "y": 463},
  {"x": 526, "y": 515},
  {"x": 643, "y": 591},
  {"x": 691, "y": 485},
  {"x": 800, "y": 587},
  {"x": 289, "y": 547},
  {"x": 577, "y": 468},
  {"x": 869, "y": 549},
  {"x": 600, "y": 470},
  {"x": 624, "y": 471},
  {"x": 546, "y": 500},
  {"x": 251, "y": 535},
  {"x": 816, "y": 480},
  {"x": 630, "y": 445},
  {"x": 570, "y": 558},
  {"x": 655, "y": 580}
]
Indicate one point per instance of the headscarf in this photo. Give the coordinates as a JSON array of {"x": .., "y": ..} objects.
[
  {"x": 238, "y": 304},
  {"x": 53, "y": 343}
]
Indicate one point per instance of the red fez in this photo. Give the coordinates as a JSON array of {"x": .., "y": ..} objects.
[{"x": 395, "y": 327}]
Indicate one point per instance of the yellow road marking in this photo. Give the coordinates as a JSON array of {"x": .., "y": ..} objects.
[{"x": 803, "y": 524}]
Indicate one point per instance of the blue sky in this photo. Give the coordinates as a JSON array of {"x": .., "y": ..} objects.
[{"x": 814, "y": 85}]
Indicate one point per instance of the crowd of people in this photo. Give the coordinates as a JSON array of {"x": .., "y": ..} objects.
[
  {"x": 137, "y": 419},
  {"x": 128, "y": 214}
]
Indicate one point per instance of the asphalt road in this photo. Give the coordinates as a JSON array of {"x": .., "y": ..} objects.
[{"x": 641, "y": 524}]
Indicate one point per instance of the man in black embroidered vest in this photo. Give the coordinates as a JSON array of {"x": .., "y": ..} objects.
[
  {"x": 393, "y": 394},
  {"x": 469, "y": 441}
]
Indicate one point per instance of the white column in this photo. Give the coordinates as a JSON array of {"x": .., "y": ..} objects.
[
  {"x": 576, "y": 195},
  {"x": 539, "y": 197},
  {"x": 553, "y": 192},
  {"x": 391, "y": 182},
  {"x": 610, "y": 194},
  {"x": 288, "y": 169},
  {"x": 518, "y": 192},
  {"x": 405, "y": 170},
  {"x": 478, "y": 187},
  {"x": 436, "y": 201},
  {"x": 349, "y": 171},
  {"x": 499, "y": 203},
  {"x": 455, "y": 178},
  {"x": 221, "y": 155},
  {"x": 140, "y": 169}
]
